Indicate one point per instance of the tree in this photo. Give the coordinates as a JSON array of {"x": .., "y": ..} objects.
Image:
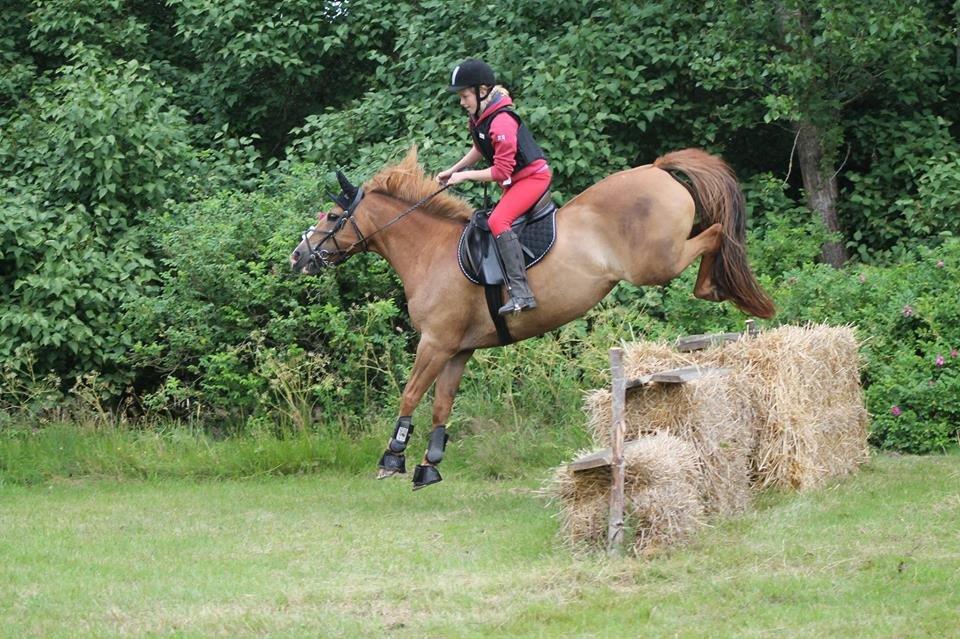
[
  {"x": 807, "y": 64},
  {"x": 87, "y": 154}
]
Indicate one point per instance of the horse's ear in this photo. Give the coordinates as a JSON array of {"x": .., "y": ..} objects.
[
  {"x": 348, "y": 189},
  {"x": 339, "y": 200}
]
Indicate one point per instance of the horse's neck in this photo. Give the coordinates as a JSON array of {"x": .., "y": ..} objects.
[{"x": 414, "y": 244}]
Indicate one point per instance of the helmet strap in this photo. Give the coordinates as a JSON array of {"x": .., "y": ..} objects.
[{"x": 476, "y": 92}]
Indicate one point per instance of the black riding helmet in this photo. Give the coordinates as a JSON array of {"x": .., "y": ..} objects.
[{"x": 472, "y": 73}]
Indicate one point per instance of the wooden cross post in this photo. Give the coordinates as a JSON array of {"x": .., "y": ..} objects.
[{"x": 615, "y": 530}]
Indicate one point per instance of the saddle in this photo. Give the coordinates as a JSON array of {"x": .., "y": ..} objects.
[{"x": 477, "y": 254}]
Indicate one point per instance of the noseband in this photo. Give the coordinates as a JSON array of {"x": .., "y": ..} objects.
[{"x": 324, "y": 257}]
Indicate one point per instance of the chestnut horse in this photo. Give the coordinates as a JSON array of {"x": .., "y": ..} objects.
[{"x": 636, "y": 225}]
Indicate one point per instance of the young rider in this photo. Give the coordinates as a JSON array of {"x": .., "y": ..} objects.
[{"x": 516, "y": 163}]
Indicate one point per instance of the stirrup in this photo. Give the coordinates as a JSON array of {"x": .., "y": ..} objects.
[
  {"x": 423, "y": 476},
  {"x": 516, "y": 305}
]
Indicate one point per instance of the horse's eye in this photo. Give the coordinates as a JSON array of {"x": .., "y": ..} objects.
[{"x": 332, "y": 217}]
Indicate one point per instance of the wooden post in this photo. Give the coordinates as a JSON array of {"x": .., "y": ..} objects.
[{"x": 615, "y": 530}]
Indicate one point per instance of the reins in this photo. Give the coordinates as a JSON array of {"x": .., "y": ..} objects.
[
  {"x": 324, "y": 256},
  {"x": 363, "y": 240}
]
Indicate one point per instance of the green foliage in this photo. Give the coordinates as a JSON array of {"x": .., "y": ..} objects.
[
  {"x": 81, "y": 161},
  {"x": 784, "y": 236},
  {"x": 252, "y": 339},
  {"x": 908, "y": 193},
  {"x": 908, "y": 318},
  {"x": 138, "y": 238},
  {"x": 103, "y": 137},
  {"x": 261, "y": 67},
  {"x": 805, "y": 61},
  {"x": 64, "y": 288},
  {"x": 113, "y": 27}
]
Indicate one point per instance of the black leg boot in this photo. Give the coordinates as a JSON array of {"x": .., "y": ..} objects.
[{"x": 515, "y": 274}]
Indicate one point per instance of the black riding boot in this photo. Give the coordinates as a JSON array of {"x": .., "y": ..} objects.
[{"x": 515, "y": 274}]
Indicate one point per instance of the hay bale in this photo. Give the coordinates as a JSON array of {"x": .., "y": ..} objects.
[
  {"x": 796, "y": 389},
  {"x": 711, "y": 413},
  {"x": 807, "y": 403},
  {"x": 789, "y": 414},
  {"x": 662, "y": 506}
]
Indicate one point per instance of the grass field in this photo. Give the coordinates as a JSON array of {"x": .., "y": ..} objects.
[{"x": 877, "y": 555}]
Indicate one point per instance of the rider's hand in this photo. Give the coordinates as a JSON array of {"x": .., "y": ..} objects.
[{"x": 443, "y": 176}]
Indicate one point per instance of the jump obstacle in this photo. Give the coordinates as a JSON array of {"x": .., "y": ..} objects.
[
  {"x": 614, "y": 456},
  {"x": 711, "y": 420}
]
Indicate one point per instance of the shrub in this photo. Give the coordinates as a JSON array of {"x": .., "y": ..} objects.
[
  {"x": 908, "y": 319},
  {"x": 244, "y": 336},
  {"x": 84, "y": 157}
]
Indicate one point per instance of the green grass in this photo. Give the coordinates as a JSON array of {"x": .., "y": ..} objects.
[
  {"x": 876, "y": 555},
  {"x": 480, "y": 447},
  {"x": 33, "y": 455}
]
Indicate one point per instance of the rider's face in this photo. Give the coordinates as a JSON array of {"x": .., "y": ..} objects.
[{"x": 468, "y": 99}]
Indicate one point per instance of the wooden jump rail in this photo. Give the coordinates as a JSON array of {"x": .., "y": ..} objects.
[{"x": 614, "y": 456}]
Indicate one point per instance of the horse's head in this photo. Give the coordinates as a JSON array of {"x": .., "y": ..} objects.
[{"x": 335, "y": 236}]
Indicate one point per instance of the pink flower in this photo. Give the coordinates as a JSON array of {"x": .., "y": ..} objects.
[
  {"x": 940, "y": 361},
  {"x": 895, "y": 411},
  {"x": 939, "y": 263},
  {"x": 863, "y": 278},
  {"x": 907, "y": 310},
  {"x": 953, "y": 353}
]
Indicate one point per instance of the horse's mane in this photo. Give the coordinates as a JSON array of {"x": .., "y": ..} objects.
[{"x": 407, "y": 181}]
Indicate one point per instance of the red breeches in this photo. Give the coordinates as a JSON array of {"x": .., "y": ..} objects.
[{"x": 517, "y": 200}]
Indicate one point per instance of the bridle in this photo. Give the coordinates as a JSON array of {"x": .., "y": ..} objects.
[{"x": 325, "y": 257}]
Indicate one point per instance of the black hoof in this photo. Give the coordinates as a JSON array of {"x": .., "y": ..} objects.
[
  {"x": 425, "y": 475},
  {"x": 391, "y": 464}
]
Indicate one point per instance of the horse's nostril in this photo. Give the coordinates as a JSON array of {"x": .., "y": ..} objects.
[{"x": 296, "y": 255}]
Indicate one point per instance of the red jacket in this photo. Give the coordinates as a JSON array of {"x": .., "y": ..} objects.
[{"x": 503, "y": 133}]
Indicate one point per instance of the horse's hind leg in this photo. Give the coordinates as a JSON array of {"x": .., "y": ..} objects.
[
  {"x": 430, "y": 360},
  {"x": 445, "y": 390},
  {"x": 706, "y": 244}
]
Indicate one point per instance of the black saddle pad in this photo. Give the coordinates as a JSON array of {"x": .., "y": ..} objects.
[{"x": 477, "y": 254}]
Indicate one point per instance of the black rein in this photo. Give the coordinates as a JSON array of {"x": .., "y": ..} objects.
[{"x": 323, "y": 256}]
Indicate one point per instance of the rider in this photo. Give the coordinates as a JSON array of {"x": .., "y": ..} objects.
[{"x": 516, "y": 163}]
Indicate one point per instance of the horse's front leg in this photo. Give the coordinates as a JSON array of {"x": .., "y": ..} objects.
[
  {"x": 429, "y": 361},
  {"x": 446, "y": 389}
]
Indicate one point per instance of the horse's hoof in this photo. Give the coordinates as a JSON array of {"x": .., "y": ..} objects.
[
  {"x": 391, "y": 464},
  {"x": 425, "y": 475}
]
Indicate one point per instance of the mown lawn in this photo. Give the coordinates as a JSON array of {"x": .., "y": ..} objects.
[{"x": 877, "y": 555}]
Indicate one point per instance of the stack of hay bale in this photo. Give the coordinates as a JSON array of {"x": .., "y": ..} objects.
[{"x": 789, "y": 413}]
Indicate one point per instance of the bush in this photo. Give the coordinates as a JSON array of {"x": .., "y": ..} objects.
[
  {"x": 84, "y": 157},
  {"x": 245, "y": 337},
  {"x": 908, "y": 319}
]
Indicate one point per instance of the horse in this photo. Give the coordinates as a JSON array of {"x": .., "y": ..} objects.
[{"x": 637, "y": 225}]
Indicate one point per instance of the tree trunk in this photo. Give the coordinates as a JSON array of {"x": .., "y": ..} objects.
[{"x": 820, "y": 184}]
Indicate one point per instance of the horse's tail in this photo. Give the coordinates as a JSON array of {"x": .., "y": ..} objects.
[{"x": 720, "y": 199}]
